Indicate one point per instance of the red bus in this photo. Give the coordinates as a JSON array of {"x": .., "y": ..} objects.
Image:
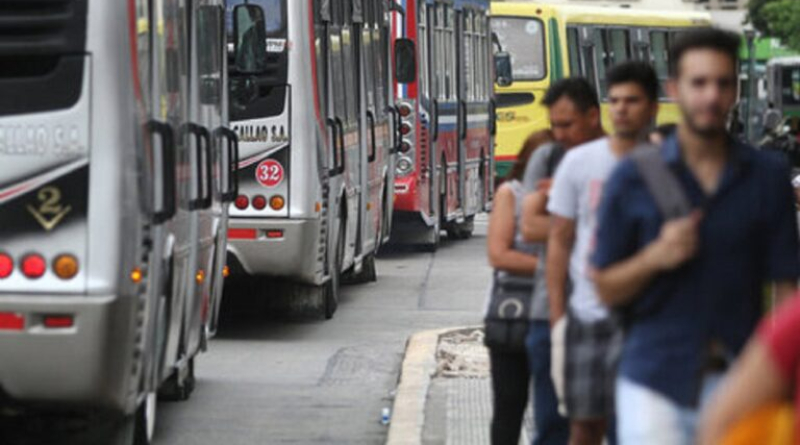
[{"x": 443, "y": 174}]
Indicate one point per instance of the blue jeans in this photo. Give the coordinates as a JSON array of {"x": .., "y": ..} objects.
[
  {"x": 646, "y": 416},
  {"x": 551, "y": 427}
]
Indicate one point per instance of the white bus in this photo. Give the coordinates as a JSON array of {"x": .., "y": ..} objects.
[
  {"x": 115, "y": 173},
  {"x": 317, "y": 138}
]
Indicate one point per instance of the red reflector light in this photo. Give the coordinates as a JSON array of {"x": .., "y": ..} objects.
[
  {"x": 33, "y": 266},
  {"x": 242, "y": 233},
  {"x": 11, "y": 321},
  {"x": 241, "y": 202},
  {"x": 272, "y": 234},
  {"x": 58, "y": 321},
  {"x": 259, "y": 202},
  {"x": 6, "y": 266},
  {"x": 405, "y": 110}
]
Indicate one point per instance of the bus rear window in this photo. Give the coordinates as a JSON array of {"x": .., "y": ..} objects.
[
  {"x": 523, "y": 39},
  {"x": 274, "y": 15}
]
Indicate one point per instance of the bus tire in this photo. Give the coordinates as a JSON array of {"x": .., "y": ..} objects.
[
  {"x": 175, "y": 390},
  {"x": 462, "y": 231}
]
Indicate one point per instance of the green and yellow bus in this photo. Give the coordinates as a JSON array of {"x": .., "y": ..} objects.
[{"x": 549, "y": 42}]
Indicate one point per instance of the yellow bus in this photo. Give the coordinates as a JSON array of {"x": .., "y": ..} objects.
[{"x": 549, "y": 42}]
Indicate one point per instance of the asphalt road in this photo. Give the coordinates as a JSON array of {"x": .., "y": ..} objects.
[{"x": 325, "y": 382}]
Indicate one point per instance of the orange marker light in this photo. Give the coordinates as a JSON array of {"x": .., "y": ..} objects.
[
  {"x": 33, "y": 266},
  {"x": 200, "y": 276},
  {"x": 318, "y": 206},
  {"x": 137, "y": 275},
  {"x": 277, "y": 202},
  {"x": 226, "y": 271},
  {"x": 65, "y": 267}
]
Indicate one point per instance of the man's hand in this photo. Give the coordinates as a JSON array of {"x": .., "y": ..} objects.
[{"x": 677, "y": 242}]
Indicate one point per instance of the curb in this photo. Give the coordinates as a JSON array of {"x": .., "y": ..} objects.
[{"x": 419, "y": 365}]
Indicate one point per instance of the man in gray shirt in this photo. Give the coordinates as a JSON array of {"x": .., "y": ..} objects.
[{"x": 575, "y": 119}]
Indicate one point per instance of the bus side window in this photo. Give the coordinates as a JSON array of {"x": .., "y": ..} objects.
[
  {"x": 660, "y": 58},
  {"x": 574, "y": 48},
  {"x": 612, "y": 47}
]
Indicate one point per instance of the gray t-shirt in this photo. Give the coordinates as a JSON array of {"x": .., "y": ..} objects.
[
  {"x": 576, "y": 194},
  {"x": 540, "y": 166}
]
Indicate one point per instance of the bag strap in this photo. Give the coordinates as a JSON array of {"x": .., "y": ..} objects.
[
  {"x": 553, "y": 159},
  {"x": 661, "y": 182}
]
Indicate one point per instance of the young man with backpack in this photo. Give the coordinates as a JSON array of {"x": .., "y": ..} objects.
[
  {"x": 691, "y": 283},
  {"x": 575, "y": 119},
  {"x": 574, "y": 199}
]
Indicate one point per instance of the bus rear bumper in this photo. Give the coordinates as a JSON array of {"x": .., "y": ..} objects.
[
  {"x": 281, "y": 248},
  {"x": 85, "y": 365}
]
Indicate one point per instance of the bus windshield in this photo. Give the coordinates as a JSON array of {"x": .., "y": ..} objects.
[{"x": 523, "y": 39}]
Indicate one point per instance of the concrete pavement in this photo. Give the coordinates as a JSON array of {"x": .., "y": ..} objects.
[{"x": 325, "y": 382}]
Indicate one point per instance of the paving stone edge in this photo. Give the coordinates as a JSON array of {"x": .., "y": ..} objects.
[{"x": 419, "y": 365}]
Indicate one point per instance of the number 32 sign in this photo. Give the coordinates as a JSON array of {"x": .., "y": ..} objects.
[{"x": 269, "y": 173}]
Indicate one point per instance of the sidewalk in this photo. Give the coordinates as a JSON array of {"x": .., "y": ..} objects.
[{"x": 458, "y": 401}]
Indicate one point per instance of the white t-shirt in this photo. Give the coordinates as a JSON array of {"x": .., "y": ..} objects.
[{"x": 576, "y": 194}]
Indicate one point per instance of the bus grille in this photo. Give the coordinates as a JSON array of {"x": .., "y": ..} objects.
[{"x": 42, "y": 27}]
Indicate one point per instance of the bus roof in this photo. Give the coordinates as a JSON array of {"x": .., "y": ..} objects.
[
  {"x": 784, "y": 61},
  {"x": 602, "y": 15}
]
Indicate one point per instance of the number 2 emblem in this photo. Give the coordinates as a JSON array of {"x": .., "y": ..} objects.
[
  {"x": 269, "y": 173},
  {"x": 49, "y": 211}
]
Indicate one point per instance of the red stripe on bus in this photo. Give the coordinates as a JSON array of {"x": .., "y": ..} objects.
[{"x": 505, "y": 158}]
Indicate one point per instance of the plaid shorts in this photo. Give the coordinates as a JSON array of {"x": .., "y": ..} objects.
[{"x": 589, "y": 374}]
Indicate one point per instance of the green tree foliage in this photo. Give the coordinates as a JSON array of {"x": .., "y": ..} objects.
[{"x": 777, "y": 18}]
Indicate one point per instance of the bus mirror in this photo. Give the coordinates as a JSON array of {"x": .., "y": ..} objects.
[
  {"x": 250, "y": 32},
  {"x": 502, "y": 69},
  {"x": 405, "y": 61}
]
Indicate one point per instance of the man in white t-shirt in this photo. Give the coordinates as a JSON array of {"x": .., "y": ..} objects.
[{"x": 574, "y": 200}]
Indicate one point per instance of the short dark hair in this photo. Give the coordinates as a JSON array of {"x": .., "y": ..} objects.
[
  {"x": 576, "y": 89},
  {"x": 717, "y": 39},
  {"x": 635, "y": 72}
]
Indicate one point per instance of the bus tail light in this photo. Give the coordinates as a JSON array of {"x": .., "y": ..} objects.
[
  {"x": 33, "y": 266},
  {"x": 404, "y": 166},
  {"x": 65, "y": 267},
  {"x": 404, "y": 109},
  {"x": 6, "y": 266},
  {"x": 241, "y": 202},
  {"x": 405, "y": 129},
  {"x": 242, "y": 233},
  {"x": 275, "y": 234},
  {"x": 277, "y": 202},
  {"x": 10, "y": 321},
  {"x": 58, "y": 321},
  {"x": 259, "y": 202},
  {"x": 405, "y": 146}
]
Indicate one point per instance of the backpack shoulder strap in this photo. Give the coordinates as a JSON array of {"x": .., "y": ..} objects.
[
  {"x": 554, "y": 158},
  {"x": 661, "y": 182}
]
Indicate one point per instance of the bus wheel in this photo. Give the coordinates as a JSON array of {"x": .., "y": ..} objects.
[
  {"x": 176, "y": 389},
  {"x": 463, "y": 230}
]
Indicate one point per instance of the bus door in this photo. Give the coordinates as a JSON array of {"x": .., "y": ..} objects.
[
  {"x": 462, "y": 113},
  {"x": 208, "y": 34},
  {"x": 350, "y": 117},
  {"x": 369, "y": 134},
  {"x": 170, "y": 102},
  {"x": 332, "y": 12}
]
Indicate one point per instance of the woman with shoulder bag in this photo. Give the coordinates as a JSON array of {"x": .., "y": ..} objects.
[{"x": 507, "y": 317}]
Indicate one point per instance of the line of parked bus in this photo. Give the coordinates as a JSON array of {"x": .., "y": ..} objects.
[{"x": 142, "y": 164}]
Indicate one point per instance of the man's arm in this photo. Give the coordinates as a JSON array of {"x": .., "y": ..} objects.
[
  {"x": 559, "y": 246},
  {"x": 618, "y": 283},
  {"x": 535, "y": 222}
]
